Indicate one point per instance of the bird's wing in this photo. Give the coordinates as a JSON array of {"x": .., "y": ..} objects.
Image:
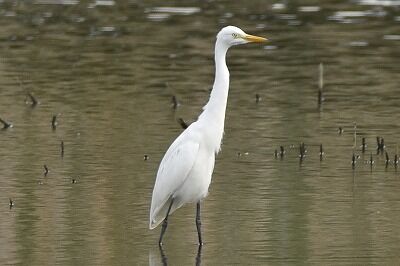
[{"x": 174, "y": 169}]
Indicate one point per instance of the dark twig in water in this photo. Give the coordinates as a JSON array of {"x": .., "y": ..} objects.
[
  {"x": 396, "y": 160},
  {"x": 11, "y": 203},
  {"x": 303, "y": 151},
  {"x": 182, "y": 122},
  {"x": 6, "y": 124},
  {"x": 320, "y": 97},
  {"x": 282, "y": 151},
  {"x": 380, "y": 142},
  {"x": 46, "y": 170},
  {"x": 363, "y": 145},
  {"x": 276, "y": 153},
  {"x": 54, "y": 122},
  {"x": 175, "y": 102},
  {"x": 62, "y": 148},
  {"x": 258, "y": 98},
  {"x": 145, "y": 157},
  {"x": 304, "y": 148},
  {"x": 239, "y": 154},
  {"x": 387, "y": 160},
  {"x": 353, "y": 161},
  {"x": 73, "y": 181},
  {"x": 371, "y": 161},
  {"x": 34, "y": 102},
  {"x": 321, "y": 152},
  {"x": 340, "y": 130}
]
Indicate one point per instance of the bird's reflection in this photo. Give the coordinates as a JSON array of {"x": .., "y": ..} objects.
[
  {"x": 164, "y": 258},
  {"x": 198, "y": 256}
]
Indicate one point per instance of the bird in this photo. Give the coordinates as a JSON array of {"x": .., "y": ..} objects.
[{"x": 185, "y": 171}]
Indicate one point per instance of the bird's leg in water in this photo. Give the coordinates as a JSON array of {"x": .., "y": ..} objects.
[
  {"x": 198, "y": 223},
  {"x": 198, "y": 257},
  {"x": 165, "y": 223}
]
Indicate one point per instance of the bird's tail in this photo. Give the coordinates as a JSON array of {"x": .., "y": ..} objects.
[{"x": 157, "y": 215}]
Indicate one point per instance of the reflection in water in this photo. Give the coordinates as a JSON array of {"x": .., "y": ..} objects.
[
  {"x": 163, "y": 259},
  {"x": 198, "y": 256}
]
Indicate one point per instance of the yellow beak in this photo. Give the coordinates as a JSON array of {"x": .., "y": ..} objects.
[{"x": 252, "y": 38}]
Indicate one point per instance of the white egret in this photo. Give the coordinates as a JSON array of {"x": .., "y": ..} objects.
[{"x": 184, "y": 174}]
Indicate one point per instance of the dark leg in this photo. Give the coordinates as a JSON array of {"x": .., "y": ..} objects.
[
  {"x": 165, "y": 223},
  {"x": 198, "y": 257},
  {"x": 198, "y": 223}
]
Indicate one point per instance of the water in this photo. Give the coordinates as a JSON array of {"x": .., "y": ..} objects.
[{"x": 108, "y": 71}]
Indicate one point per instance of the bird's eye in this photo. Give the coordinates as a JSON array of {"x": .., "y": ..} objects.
[{"x": 234, "y": 35}]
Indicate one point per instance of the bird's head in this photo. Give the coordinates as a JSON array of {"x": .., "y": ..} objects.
[{"x": 232, "y": 35}]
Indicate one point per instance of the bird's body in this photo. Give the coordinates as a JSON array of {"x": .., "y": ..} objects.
[
  {"x": 194, "y": 160},
  {"x": 185, "y": 171}
]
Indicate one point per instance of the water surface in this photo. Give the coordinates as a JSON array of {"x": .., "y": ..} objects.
[{"x": 108, "y": 71}]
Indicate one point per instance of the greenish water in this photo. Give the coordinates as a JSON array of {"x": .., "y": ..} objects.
[{"x": 108, "y": 71}]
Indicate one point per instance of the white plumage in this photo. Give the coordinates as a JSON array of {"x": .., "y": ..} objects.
[{"x": 185, "y": 171}]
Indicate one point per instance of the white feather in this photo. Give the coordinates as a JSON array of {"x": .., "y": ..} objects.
[{"x": 185, "y": 171}]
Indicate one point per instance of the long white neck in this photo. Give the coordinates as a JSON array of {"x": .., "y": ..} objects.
[{"x": 214, "y": 110}]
